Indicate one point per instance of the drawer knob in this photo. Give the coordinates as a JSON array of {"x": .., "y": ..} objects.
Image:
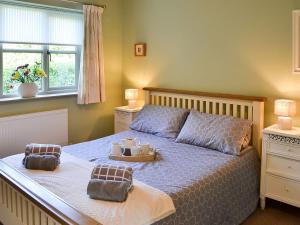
[
  {"x": 290, "y": 150},
  {"x": 290, "y": 167},
  {"x": 287, "y": 190}
]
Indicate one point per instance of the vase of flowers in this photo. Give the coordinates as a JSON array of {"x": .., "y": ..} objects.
[{"x": 28, "y": 76}]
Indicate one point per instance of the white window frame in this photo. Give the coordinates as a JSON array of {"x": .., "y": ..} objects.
[{"x": 45, "y": 59}]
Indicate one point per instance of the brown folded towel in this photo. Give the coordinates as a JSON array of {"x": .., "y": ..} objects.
[
  {"x": 43, "y": 149},
  {"x": 40, "y": 162},
  {"x": 108, "y": 190},
  {"x": 114, "y": 173}
]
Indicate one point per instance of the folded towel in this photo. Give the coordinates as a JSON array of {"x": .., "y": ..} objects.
[
  {"x": 40, "y": 162},
  {"x": 114, "y": 173},
  {"x": 108, "y": 190},
  {"x": 43, "y": 149}
]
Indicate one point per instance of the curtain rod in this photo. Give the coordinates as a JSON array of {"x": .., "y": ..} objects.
[{"x": 82, "y": 3}]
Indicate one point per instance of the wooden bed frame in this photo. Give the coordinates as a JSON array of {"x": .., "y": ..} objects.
[{"x": 24, "y": 202}]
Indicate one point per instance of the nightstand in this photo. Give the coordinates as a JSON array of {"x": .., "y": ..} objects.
[
  {"x": 280, "y": 166},
  {"x": 123, "y": 117}
]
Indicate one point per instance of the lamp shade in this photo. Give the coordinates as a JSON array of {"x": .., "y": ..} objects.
[
  {"x": 131, "y": 94},
  {"x": 285, "y": 107}
]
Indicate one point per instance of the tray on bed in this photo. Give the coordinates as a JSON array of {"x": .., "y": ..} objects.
[{"x": 141, "y": 158}]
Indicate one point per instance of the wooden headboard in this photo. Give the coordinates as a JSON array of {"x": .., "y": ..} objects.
[{"x": 245, "y": 107}]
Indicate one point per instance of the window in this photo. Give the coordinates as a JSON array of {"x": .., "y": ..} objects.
[
  {"x": 61, "y": 63},
  {"x": 50, "y": 37}
]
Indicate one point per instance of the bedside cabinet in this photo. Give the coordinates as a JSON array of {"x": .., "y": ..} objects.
[
  {"x": 280, "y": 166},
  {"x": 123, "y": 118}
]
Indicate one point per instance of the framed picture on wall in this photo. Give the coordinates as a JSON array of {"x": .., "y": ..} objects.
[
  {"x": 296, "y": 42},
  {"x": 140, "y": 49}
]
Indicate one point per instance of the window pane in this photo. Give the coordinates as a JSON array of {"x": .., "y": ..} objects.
[
  {"x": 10, "y": 62},
  {"x": 61, "y": 48},
  {"x": 62, "y": 70},
  {"x": 22, "y": 46}
]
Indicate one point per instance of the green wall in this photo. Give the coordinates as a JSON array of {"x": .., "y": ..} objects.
[
  {"x": 232, "y": 46},
  {"x": 92, "y": 121}
]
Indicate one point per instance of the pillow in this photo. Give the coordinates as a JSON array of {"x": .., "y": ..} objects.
[
  {"x": 223, "y": 133},
  {"x": 160, "y": 120}
]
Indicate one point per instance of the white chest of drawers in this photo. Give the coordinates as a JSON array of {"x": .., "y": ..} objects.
[
  {"x": 123, "y": 118},
  {"x": 280, "y": 166}
]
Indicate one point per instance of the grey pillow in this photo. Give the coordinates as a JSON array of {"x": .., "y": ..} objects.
[
  {"x": 160, "y": 120},
  {"x": 223, "y": 133}
]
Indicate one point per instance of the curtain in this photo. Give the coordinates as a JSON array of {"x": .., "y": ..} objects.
[
  {"x": 91, "y": 88},
  {"x": 20, "y": 24}
]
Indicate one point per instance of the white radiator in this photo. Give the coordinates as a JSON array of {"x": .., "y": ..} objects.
[{"x": 43, "y": 127}]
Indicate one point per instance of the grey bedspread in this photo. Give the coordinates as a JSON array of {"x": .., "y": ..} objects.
[{"x": 207, "y": 187}]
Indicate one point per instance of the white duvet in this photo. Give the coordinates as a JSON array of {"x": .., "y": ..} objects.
[{"x": 144, "y": 205}]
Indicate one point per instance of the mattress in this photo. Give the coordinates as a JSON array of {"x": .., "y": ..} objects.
[{"x": 207, "y": 187}]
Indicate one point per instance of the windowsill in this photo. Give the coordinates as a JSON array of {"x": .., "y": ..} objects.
[{"x": 45, "y": 96}]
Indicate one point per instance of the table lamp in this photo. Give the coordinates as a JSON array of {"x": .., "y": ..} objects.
[
  {"x": 285, "y": 109},
  {"x": 132, "y": 95}
]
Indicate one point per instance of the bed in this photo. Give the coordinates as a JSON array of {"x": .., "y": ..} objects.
[{"x": 207, "y": 187}]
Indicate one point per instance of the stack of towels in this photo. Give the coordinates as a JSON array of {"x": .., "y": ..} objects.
[
  {"x": 42, "y": 157},
  {"x": 110, "y": 183}
]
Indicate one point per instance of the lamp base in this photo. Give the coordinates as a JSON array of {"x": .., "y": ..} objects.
[
  {"x": 285, "y": 123},
  {"x": 132, "y": 104}
]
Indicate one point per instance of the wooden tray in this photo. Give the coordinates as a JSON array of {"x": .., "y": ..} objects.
[{"x": 142, "y": 158}]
